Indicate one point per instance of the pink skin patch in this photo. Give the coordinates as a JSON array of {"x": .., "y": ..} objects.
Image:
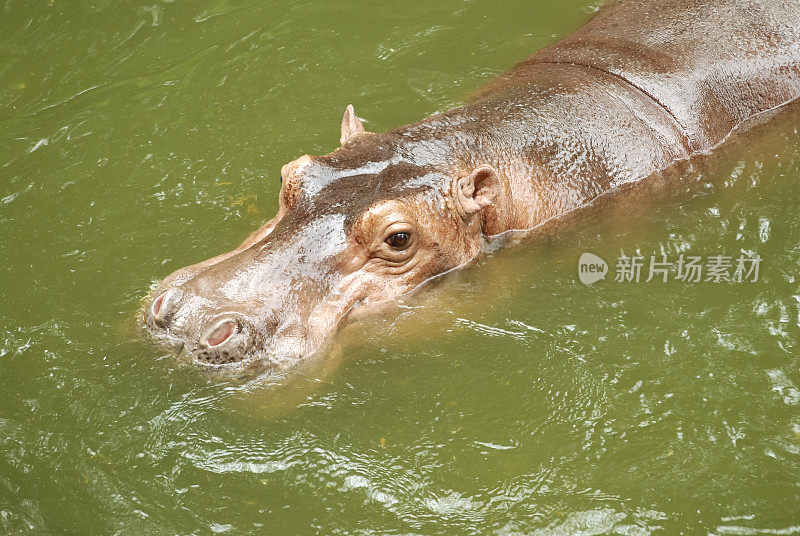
[
  {"x": 157, "y": 304},
  {"x": 222, "y": 333}
]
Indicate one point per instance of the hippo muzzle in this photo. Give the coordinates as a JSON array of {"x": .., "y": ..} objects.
[
  {"x": 257, "y": 304},
  {"x": 218, "y": 339}
]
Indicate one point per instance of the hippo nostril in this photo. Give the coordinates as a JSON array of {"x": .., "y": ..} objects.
[
  {"x": 221, "y": 332},
  {"x": 157, "y": 304},
  {"x": 162, "y": 305}
]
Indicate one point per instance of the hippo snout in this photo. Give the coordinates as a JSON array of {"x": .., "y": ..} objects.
[{"x": 177, "y": 318}]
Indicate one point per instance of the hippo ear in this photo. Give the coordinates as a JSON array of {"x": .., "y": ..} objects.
[
  {"x": 351, "y": 125},
  {"x": 294, "y": 166},
  {"x": 478, "y": 189}
]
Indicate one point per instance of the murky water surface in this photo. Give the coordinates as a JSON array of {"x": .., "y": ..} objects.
[{"x": 139, "y": 137}]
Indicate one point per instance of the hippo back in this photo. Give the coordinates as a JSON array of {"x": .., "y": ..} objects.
[{"x": 711, "y": 64}]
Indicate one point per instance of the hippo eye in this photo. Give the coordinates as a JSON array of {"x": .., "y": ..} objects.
[{"x": 399, "y": 240}]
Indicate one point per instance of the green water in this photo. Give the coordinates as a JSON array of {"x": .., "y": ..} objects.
[{"x": 139, "y": 137}]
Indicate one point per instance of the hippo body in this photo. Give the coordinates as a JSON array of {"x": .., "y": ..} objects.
[
  {"x": 641, "y": 86},
  {"x": 645, "y": 85}
]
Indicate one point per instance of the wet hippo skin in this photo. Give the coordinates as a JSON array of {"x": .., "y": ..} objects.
[{"x": 642, "y": 87}]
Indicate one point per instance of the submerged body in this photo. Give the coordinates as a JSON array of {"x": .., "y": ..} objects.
[{"x": 643, "y": 86}]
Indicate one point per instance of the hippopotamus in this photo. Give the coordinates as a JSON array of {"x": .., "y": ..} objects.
[{"x": 642, "y": 87}]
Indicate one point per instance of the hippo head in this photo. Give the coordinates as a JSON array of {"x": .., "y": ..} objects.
[{"x": 358, "y": 227}]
